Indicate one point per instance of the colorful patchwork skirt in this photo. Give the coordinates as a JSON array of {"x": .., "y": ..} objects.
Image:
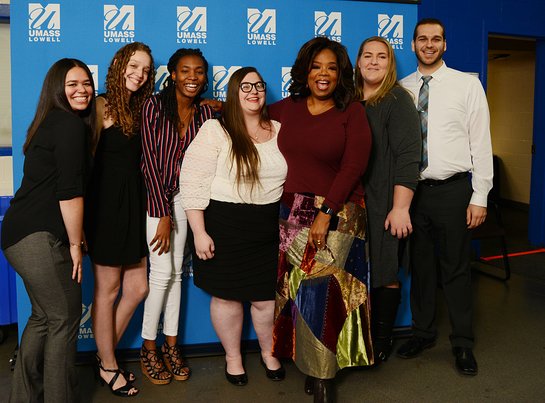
[{"x": 322, "y": 313}]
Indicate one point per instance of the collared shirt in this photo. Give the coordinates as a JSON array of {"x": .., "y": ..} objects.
[
  {"x": 162, "y": 153},
  {"x": 458, "y": 128}
]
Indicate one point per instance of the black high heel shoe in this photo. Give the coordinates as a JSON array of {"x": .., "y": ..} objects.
[
  {"x": 129, "y": 375},
  {"x": 274, "y": 374},
  {"x": 127, "y": 390},
  {"x": 237, "y": 380}
]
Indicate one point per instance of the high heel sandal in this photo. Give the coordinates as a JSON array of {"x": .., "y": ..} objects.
[
  {"x": 153, "y": 367},
  {"x": 123, "y": 391},
  {"x": 174, "y": 362},
  {"x": 129, "y": 375}
]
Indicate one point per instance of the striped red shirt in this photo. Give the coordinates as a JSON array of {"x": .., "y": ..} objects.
[{"x": 162, "y": 153}]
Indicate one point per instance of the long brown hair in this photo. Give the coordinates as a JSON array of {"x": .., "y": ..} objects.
[
  {"x": 53, "y": 96},
  {"x": 244, "y": 154},
  {"x": 125, "y": 110},
  {"x": 390, "y": 78}
]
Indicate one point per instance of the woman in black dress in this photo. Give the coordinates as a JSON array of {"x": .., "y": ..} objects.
[
  {"x": 42, "y": 234},
  {"x": 390, "y": 179},
  {"x": 115, "y": 215}
]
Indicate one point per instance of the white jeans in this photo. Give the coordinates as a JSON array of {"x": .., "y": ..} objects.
[{"x": 165, "y": 278}]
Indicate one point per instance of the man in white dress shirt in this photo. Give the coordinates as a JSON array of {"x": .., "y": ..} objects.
[{"x": 456, "y": 176}]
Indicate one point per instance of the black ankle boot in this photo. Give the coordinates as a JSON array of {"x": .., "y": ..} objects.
[
  {"x": 324, "y": 391},
  {"x": 384, "y": 304}
]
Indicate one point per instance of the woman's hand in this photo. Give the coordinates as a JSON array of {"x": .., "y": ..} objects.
[
  {"x": 162, "y": 236},
  {"x": 76, "y": 252},
  {"x": 318, "y": 230},
  {"x": 398, "y": 221},
  {"x": 204, "y": 245}
]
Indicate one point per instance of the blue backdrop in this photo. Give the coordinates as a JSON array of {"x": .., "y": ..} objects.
[{"x": 266, "y": 34}]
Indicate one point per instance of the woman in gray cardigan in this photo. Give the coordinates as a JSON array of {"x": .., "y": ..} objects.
[{"x": 390, "y": 179}]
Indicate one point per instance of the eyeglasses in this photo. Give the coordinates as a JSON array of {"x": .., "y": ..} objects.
[{"x": 260, "y": 86}]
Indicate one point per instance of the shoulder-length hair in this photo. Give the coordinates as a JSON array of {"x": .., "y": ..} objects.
[
  {"x": 125, "y": 109},
  {"x": 390, "y": 78},
  {"x": 244, "y": 154},
  {"x": 344, "y": 91},
  {"x": 168, "y": 93},
  {"x": 53, "y": 96}
]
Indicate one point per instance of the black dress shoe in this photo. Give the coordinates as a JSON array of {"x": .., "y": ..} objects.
[
  {"x": 274, "y": 374},
  {"x": 414, "y": 346},
  {"x": 309, "y": 385},
  {"x": 465, "y": 361},
  {"x": 238, "y": 380},
  {"x": 324, "y": 391}
]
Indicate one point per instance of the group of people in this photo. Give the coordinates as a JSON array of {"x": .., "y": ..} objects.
[{"x": 302, "y": 209}]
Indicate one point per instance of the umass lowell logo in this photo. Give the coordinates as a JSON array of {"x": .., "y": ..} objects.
[
  {"x": 161, "y": 76},
  {"x": 261, "y": 27},
  {"x": 44, "y": 22},
  {"x": 221, "y": 76},
  {"x": 118, "y": 24},
  {"x": 329, "y": 25},
  {"x": 286, "y": 82},
  {"x": 191, "y": 25},
  {"x": 391, "y": 28}
]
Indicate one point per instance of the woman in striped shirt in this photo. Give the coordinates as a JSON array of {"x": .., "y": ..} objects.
[{"x": 170, "y": 121}]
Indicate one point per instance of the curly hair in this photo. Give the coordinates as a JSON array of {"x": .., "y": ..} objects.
[
  {"x": 244, "y": 153},
  {"x": 124, "y": 109},
  {"x": 344, "y": 91},
  {"x": 390, "y": 78},
  {"x": 53, "y": 96},
  {"x": 168, "y": 93}
]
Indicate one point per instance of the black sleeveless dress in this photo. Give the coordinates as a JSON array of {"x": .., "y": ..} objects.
[{"x": 115, "y": 206}]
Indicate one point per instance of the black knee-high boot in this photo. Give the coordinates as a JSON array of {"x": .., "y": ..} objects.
[{"x": 384, "y": 304}]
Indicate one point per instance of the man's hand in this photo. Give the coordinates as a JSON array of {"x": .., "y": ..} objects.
[{"x": 475, "y": 216}]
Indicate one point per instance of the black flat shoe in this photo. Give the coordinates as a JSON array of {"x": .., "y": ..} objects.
[
  {"x": 309, "y": 385},
  {"x": 414, "y": 346},
  {"x": 237, "y": 380},
  {"x": 465, "y": 361},
  {"x": 274, "y": 374}
]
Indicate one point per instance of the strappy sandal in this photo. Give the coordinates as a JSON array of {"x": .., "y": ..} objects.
[
  {"x": 129, "y": 375},
  {"x": 153, "y": 367},
  {"x": 127, "y": 390},
  {"x": 174, "y": 362}
]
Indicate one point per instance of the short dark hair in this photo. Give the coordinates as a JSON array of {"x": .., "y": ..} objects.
[
  {"x": 344, "y": 91},
  {"x": 430, "y": 21}
]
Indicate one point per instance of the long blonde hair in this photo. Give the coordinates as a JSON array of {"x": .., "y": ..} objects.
[{"x": 390, "y": 78}]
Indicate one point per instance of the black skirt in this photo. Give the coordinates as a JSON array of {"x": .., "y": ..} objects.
[{"x": 245, "y": 261}]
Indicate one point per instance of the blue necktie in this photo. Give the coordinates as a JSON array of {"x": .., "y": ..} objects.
[{"x": 423, "y": 97}]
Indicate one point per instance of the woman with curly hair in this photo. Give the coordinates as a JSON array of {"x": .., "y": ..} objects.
[
  {"x": 115, "y": 215},
  {"x": 390, "y": 179},
  {"x": 322, "y": 305},
  {"x": 170, "y": 121}
]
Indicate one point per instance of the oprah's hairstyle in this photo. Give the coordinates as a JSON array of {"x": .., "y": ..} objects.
[
  {"x": 430, "y": 21},
  {"x": 168, "y": 93},
  {"x": 53, "y": 96},
  {"x": 344, "y": 91},
  {"x": 243, "y": 151},
  {"x": 125, "y": 110},
  {"x": 390, "y": 78}
]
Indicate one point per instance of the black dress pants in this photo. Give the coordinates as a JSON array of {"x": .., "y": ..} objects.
[{"x": 441, "y": 240}]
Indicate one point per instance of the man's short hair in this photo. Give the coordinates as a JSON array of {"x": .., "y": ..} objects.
[{"x": 428, "y": 21}]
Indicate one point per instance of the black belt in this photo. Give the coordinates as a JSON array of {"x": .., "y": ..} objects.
[{"x": 439, "y": 182}]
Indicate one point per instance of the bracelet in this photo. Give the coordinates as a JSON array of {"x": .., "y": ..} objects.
[
  {"x": 78, "y": 245},
  {"x": 327, "y": 210}
]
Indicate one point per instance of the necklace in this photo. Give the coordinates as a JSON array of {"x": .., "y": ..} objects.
[{"x": 182, "y": 121}]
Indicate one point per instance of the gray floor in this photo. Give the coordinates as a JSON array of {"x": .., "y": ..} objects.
[{"x": 510, "y": 349}]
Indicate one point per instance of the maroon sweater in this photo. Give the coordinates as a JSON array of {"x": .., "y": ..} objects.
[{"x": 326, "y": 154}]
